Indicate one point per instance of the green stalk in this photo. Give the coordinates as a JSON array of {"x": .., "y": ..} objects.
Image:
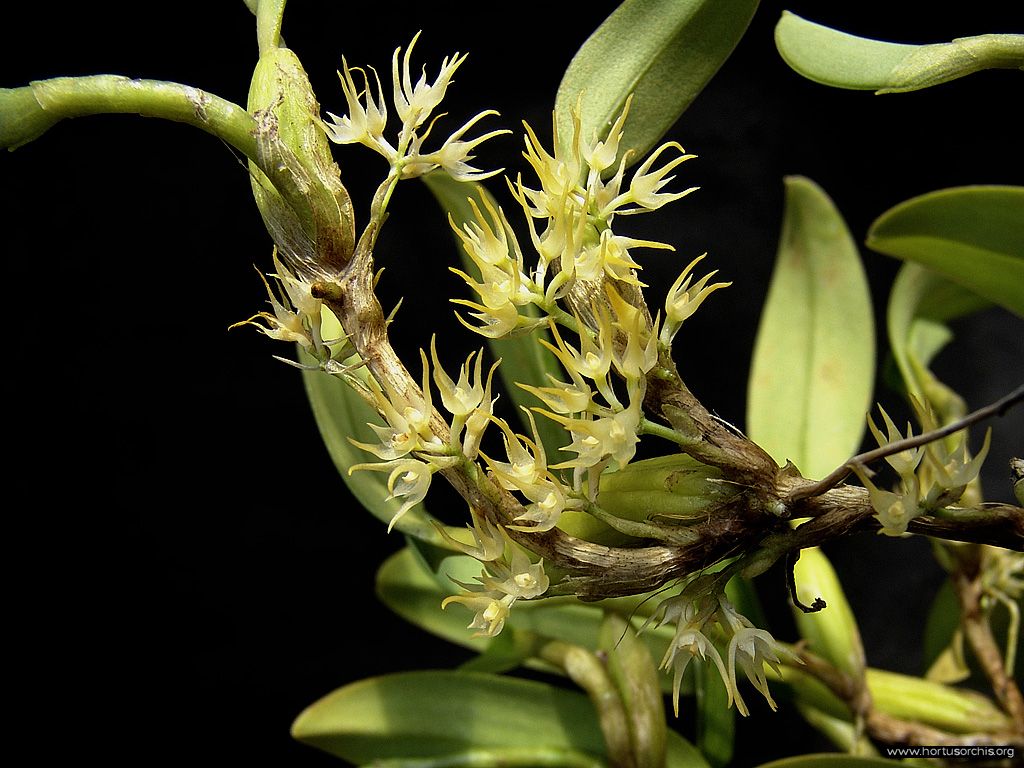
[
  {"x": 28, "y": 112},
  {"x": 269, "y": 14},
  {"x": 587, "y": 671}
]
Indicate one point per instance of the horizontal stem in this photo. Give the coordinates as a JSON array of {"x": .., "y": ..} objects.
[
  {"x": 998, "y": 408},
  {"x": 66, "y": 97}
]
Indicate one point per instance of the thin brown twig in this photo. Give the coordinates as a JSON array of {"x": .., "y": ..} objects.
[
  {"x": 998, "y": 408},
  {"x": 967, "y": 585}
]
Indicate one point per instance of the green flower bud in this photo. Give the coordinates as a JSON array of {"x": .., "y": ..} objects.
[
  {"x": 308, "y": 212},
  {"x": 942, "y": 706},
  {"x": 677, "y": 487}
]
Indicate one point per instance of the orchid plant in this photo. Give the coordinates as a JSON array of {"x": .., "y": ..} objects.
[{"x": 613, "y": 523}]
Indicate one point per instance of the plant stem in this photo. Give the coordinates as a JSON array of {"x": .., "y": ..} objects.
[
  {"x": 66, "y": 97},
  {"x": 648, "y": 427},
  {"x": 269, "y": 14},
  {"x": 998, "y": 408},
  {"x": 587, "y": 671},
  {"x": 969, "y": 590}
]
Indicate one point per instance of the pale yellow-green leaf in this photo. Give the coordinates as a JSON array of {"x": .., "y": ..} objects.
[
  {"x": 813, "y": 368},
  {"x": 832, "y": 632}
]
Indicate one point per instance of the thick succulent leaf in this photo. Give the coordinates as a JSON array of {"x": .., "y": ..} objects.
[
  {"x": 523, "y": 359},
  {"x": 406, "y": 587},
  {"x": 504, "y": 653},
  {"x": 386, "y": 717},
  {"x": 663, "y": 52},
  {"x": 973, "y": 236},
  {"x": 830, "y": 761},
  {"x": 813, "y": 367},
  {"x": 835, "y": 58}
]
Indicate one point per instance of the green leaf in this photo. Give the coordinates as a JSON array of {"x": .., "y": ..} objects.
[
  {"x": 943, "y": 653},
  {"x": 830, "y": 761},
  {"x": 406, "y": 587},
  {"x": 973, "y": 236},
  {"x": 340, "y": 413},
  {"x": 663, "y": 52},
  {"x": 919, "y": 305},
  {"x": 715, "y": 718},
  {"x": 835, "y": 58},
  {"x": 813, "y": 369},
  {"x": 523, "y": 359},
  {"x": 682, "y": 754},
  {"x": 505, "y": 652},
  {"x": 842, "y": 733},
  {"x": 434, "y": 713}
]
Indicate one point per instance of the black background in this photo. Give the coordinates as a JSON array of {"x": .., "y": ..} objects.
[{"x": 184, "y": 568}]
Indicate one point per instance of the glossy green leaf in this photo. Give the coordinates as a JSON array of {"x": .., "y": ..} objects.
[
  {"x": 920, "y": 304},
  {"x": 340, "y": 414},
  {"x": 835, "y": 58},
  {"x": 663, "y": 52},
  {"x": 505, "y": 652},
  {"x": 813, "y": 368},
  {"x": 973, "y": 236},
  {"x": 499, "y": 757},
  {"x": 523, "y": 359},
  {"x": 832, "y": 632},
  {"x": 829, "y": 760},
  {"x": 385, "y": 717}
]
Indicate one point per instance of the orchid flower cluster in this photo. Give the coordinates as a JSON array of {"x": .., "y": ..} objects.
[
  {"x": 702, "y": 609},
  {"x": 931, "y": 476},
  {"x": 581, "y": 263},
  {"x": 367, "y": 119}
]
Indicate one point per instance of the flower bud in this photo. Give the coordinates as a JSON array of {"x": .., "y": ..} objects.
[{"x": 308, "y": 212}]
